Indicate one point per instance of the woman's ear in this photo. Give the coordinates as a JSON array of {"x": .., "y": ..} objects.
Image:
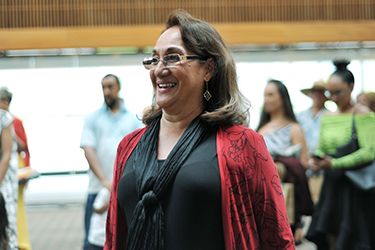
[
  {"x": 210, "y": 68},
  {"x": 351, "y": 86}
]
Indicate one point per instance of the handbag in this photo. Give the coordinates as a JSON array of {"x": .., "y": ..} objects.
[{"x": 363, "y": 177}]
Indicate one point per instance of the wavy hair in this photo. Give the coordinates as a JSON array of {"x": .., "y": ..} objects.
[{"x": 228, "y": 105}]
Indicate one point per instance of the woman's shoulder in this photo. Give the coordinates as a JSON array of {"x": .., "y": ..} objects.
[
  {"x": 5, "y": 113},
  {"x": 361, "y": 109},
  {"x": 239, "y": 138},
  {"x": 366, "y": 118},
  {"x": 5, "y": 117},
  {"x": 282, "y": 127},
  {"x": 347, "y": 117},
  {"x": 335, "y": 115},
  {"x": 237, "y": 128},
  {"x": 133, "y": 136},
  {"x": 296, "y": 131},
  {"x": 295, "y": 127},
  {"x": 238, "y": 132}
]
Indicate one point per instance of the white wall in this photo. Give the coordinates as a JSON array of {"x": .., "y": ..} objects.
[{"x": 53, "y": 101}]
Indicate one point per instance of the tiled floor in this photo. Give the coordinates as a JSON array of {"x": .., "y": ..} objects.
[
  {"x": 61, "y": 228},
  {"x": 56, "y": 228}
]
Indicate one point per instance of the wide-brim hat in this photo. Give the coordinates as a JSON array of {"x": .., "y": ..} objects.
[{"x": 318, "y": 85}]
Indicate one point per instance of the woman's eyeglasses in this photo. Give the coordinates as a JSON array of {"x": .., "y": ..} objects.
[
  {"x": 169, "y": 61},
  {"x": 338, "y": 93}
]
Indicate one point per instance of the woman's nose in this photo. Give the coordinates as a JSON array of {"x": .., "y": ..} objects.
[{"x": 161, "y": 70}]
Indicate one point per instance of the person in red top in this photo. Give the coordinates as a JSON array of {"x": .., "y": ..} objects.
[
  {"x": 23, "y": 161},
  {"x": 195, "y": 177}
]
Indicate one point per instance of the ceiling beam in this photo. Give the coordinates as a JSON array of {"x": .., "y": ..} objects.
[{"x": 142, "y": 36}]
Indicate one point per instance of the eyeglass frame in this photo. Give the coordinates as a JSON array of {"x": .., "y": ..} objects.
[
  {"x": 338, "y": 93},
  {"x": 165, "y": 62}
]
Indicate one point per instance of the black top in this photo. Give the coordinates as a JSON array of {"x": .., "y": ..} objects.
[{"x": 192, "y": 205}]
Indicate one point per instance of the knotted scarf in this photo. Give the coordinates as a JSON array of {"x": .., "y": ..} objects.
[{"x": 147, "y": 226}]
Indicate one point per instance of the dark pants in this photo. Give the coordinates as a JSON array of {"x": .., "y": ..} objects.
[
  {"x": 88, "y": 214},
  {"x": 93, "y": 247}
]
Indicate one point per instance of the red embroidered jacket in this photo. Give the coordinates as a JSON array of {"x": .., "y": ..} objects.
[{"x": 254, "y": 213}]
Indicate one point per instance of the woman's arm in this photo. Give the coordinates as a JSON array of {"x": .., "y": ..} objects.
[
  {"x": 94, "y": 165},
  {"x": 270, "y": 212},
  {"x": 365, "y": 126},
  {"x": 298, "y": 138},
  {"x": 6, "y": 150},
  {"x": 116, "y": 227},
  {"x": 20, "y": 135}
]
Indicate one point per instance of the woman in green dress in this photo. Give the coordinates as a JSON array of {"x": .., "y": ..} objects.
[{"x": 344, "y": 216}]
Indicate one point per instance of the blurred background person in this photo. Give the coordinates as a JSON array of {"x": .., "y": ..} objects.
[
  {"x": 8, "y": 174},
  {"x": 102, "y": 132},
  {"x": 286, "y": 143},
  {"x": 23, "y": 161},
  {"x": 96, "y": 236},
  {"x": 3, "y": 224},
  {"x": 367, "y": 99},
  {"x": 309, "y": 120},
  {"x": 344, "y": 215},
  {"x": 195, "y": 129}
]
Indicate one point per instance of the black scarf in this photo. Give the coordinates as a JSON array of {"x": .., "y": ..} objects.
[{"x": 147, "y": 226}]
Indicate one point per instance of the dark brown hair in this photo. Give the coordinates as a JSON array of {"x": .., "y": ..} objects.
[
  {"x": 342, "y": 71},
  {"x": 287, "y": 104},
  {"x": 228, "y": 105}
]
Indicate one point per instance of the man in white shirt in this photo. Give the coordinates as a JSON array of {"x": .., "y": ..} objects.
[{"x": 102, "y": 132}]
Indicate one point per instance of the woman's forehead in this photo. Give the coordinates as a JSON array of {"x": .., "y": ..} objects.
[
  {"x": 169, "y": 40},
  {"x": 335, "y": 80}
]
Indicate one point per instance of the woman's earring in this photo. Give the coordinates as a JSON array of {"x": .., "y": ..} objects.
[{"x": 207, "y": 95}]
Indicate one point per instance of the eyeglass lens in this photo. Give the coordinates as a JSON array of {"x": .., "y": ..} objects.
[
  {"x": 329, "y": 94},
  {"x": 168, "y": 60}
]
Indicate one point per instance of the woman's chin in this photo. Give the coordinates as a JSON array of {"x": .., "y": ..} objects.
[{"x": 164, "y": 103}]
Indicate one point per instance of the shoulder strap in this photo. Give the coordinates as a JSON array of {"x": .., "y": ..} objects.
[{"x": 354, "y": 130}]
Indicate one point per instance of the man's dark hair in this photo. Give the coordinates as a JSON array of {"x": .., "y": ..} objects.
[{"x": 118, "y": 81}]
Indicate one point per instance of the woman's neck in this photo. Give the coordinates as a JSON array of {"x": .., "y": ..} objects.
[
  {"x": 171, "y": 129},
  {"x": 177, "y": 123},
  {"x": 346, "y": 108},
  {"x": 316, "y": 108},
  {"x": 278, "y": 118}
]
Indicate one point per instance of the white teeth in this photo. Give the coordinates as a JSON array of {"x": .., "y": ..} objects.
[{"x": 167, "y": 85}]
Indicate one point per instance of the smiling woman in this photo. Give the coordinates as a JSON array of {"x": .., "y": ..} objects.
[
  {"x": 175, "y": 179},
  {"x": 213, "y": 59}
]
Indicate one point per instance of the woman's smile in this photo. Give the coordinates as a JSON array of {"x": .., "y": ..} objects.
[{"x": 164, "y": 86}]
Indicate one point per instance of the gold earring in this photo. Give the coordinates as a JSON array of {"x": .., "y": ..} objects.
[{"x": 207, "y": 95}]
